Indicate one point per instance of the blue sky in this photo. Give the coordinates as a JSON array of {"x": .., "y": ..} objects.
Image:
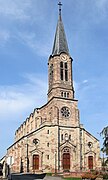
[{"x": 27, "y": 29}]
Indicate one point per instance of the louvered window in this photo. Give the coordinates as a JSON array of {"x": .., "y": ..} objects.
[{"x": 61, "y": 71}]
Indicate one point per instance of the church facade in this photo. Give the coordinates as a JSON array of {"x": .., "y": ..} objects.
[{"x": 52, "y": 138}]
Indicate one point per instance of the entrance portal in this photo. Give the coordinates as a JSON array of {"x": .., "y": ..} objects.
[
  {"x": 66, "y": 161},
  {"x": 90, "y": 162},
  {"x": 35, "y": 162}
]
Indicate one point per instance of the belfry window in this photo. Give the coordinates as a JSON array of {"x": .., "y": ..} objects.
[
  {"x": 61, "y": 70},
  {"x": 65, "y": 94},
  {"x": 51, "y": 72},
  {"x": 61, "y": 94},
  {"x": 66, "y": 72}
]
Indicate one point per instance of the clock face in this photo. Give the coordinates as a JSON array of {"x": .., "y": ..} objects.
[
  {"x": 63, "y": 57},
  {"x": 65, "y": 112}
]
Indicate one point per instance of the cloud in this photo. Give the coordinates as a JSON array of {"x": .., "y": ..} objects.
[
  {"x": 81, "y": 85},
  {"x": 17, "y": 99},
  {"x": 4, "y": 37},
  {"x": 102, "y": 7},
  {"x": 38, "y": 46},
  {"x": 102, "y": 4},
  {"x": 15, "y": 9},
  {"x": 90, "y": 96},
  {"x": 21, "y": 21},
  {"x": 85, "y": 81},
  {"x": 92, "y": 103},
  {"x": 17, "y": 102}
]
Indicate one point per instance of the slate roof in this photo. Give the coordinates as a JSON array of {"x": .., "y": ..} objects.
[{"x": 60, "y": 42}]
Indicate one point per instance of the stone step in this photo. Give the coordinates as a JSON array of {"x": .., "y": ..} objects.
[{"x": 52, "y": 178}]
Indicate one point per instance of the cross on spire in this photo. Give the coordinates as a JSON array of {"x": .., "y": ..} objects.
[{"x": 60, "y": 5}]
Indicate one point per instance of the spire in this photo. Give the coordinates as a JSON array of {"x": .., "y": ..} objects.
[{"x": 60, "y": 42}]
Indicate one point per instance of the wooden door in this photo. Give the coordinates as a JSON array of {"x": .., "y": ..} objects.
[
  {"x": 35, "y": 162},
  {"x": 90, "y": 162},
  {"x": 66, "y": 161}
]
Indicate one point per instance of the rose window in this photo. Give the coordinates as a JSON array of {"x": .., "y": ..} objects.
[{"x": 65, "y": 112}]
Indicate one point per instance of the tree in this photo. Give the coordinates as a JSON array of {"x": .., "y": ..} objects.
[
  {"x": 105, "y": 138},
  {"x": 104, "y": 149}
]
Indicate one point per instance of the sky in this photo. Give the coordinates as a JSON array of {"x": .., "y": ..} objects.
[{"x": 27, "y": 29}]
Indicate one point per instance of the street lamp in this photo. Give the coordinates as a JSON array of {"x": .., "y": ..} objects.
[
  {"x": 58, "y": 137},
  {"x": 55, "y": 162},
  {"x": 21, "y": 166},
  {"x": 80, "y": 137},
  {"x": 27, "y": 155},
  {"x": 27, "y": 159}
]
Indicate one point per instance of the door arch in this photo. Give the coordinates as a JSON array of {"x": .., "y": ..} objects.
[{"x": 35, "y": 162}]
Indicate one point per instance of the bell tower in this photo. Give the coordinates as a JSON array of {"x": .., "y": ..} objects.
[{"x": 60, "y": 65}]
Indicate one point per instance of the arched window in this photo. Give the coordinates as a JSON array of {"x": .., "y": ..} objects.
[
  {"x": 51, "y": 72},
  {"x": 61, "y": 94},
  {"x": 62, "y": 137},
  {"x": 65, "y": 94},
  {"x": 70, "y": 137},
  {"x": 61, "y": 70},
  {"x": 47, "y": 144},
  {"x": 66, "y": 72},
  {"x": 48, "y": 157}
]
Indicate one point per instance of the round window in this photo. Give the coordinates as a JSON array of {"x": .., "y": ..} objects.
[{"x": 65, "y": 112}]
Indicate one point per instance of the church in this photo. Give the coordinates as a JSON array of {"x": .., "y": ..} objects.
[{"x": 52, "y": 139}]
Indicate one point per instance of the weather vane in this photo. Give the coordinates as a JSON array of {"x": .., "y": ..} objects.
[{"x": 60, "y": 5}]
